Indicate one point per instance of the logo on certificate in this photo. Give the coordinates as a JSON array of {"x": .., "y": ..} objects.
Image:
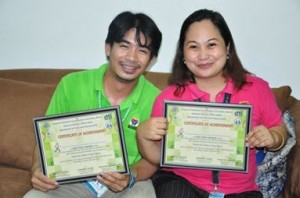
[
  {"x": 108, "y": 125},
  {"x": 108, "y": 117}
]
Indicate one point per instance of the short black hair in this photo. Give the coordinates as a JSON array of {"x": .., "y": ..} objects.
[{"x": 143, "y": 24}]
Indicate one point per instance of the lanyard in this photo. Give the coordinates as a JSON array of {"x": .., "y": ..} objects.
[
  {"x": 100, "y": 106},
  {"x": 215, "y": 173}
]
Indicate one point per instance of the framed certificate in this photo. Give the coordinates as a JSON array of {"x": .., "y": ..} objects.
[
  {"x": 206, "y": 136},
  {"x": 78, "y": 146}
]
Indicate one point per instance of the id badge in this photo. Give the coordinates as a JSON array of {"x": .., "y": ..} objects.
[
  {"x": 216, "y": 195},
  {"x": 96, "y": 187}
]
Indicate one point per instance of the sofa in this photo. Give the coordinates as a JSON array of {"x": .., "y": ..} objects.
[{"x": 25, "y": 94}]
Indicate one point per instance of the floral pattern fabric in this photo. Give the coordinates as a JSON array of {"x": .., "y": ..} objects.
[{"x": 271, "y": 174}]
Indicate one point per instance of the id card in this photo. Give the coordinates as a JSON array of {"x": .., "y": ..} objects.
[
  {"x": 216, "y": 195},
  {"x": 96, "y": 187}
]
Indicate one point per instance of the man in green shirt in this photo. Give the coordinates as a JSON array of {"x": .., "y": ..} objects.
[{"x": 132, "y": 43}]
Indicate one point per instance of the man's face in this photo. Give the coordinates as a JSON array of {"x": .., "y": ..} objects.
[{"x": 127, "y": 59}]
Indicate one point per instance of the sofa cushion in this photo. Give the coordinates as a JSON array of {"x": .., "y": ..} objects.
[
  {"x": 20, "y": 103},
  {"x": 14, "y": 182}
]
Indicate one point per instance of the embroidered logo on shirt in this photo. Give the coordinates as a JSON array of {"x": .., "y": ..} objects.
[{"x": 134, "y": 123}]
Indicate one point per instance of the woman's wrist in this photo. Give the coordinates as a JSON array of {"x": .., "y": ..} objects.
[{"x": 279, "y": 140}]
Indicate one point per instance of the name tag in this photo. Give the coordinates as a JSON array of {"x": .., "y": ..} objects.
[
  {"x": 216, "y": 195},
  {"x": 96, "y": 187}
]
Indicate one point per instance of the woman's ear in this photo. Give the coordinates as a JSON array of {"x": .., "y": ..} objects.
[{"x": 227, "y": 48}]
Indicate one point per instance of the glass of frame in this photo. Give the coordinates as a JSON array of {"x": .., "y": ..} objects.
[
  {"x": 206, "y": 136},
  {"x": 78, "y": 146}
]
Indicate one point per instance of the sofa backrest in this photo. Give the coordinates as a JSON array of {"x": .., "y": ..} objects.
[
  {"x": 25, "y": 93},
  {"x": 159, "y": 79},
  {"x": 52, "y": 76}
]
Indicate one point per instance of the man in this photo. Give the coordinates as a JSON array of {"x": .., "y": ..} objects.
[{"x": 132, "y": 43}]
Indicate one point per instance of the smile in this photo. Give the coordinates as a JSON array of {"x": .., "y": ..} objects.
[
  {"x": 204, "y": 66},
  {"x": 129, "y": 68}
]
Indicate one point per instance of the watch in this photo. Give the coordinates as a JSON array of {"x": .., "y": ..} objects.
[{"x": 132, "y": 180}]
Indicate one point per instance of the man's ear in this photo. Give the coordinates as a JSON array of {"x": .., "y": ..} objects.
[
  {"x": 107, "y": 50},
  {"x": 151, "y": 63}
]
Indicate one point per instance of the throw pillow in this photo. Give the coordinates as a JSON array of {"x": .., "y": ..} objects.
[{"x": 271, "y": 172}]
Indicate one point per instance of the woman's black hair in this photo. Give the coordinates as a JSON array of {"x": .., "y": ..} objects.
[{"x": 233, "y": 68}]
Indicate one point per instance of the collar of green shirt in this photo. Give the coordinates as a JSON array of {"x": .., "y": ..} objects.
[{"x": 127, "y": 102}]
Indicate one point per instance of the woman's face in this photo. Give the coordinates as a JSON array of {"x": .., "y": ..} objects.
[{"x": 204, "y": 50}]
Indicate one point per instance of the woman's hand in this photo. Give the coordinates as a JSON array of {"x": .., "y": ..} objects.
[
  {"x": 149, "y": 133},
  {"x": 260, "y": 137},
  {"x": 273, "y": 138},
  {"x": 153, "y": 129}
]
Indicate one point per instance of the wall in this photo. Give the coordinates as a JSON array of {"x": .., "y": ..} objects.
[{"x": 71, "y": 33}]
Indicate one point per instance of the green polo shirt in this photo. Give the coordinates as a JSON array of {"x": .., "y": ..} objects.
[{"x": 84, "y": 90}]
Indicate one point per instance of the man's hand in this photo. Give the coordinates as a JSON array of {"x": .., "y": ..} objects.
[
  {"x": 116, "y": 182},
  {"x": 41, "y": 182}
]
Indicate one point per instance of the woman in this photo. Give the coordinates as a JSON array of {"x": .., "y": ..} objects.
[{"x": 207, "y": 68}]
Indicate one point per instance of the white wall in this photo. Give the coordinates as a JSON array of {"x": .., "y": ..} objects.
[{"x": 71, "y": 33}]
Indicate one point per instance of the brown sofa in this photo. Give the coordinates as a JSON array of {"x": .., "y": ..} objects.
[{"x": 25, "y": 93}]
